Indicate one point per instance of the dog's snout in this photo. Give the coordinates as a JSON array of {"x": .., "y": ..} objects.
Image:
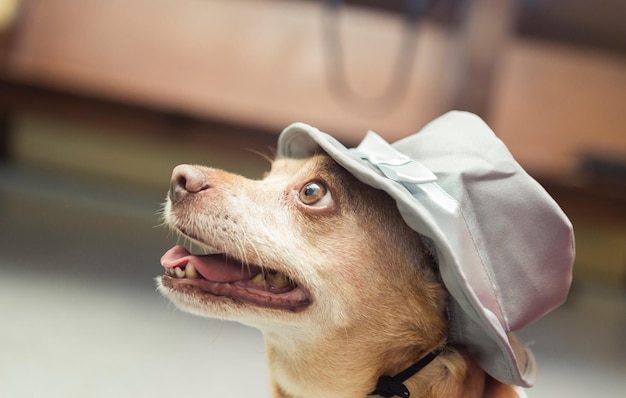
[{"x": 187, "y": 179}]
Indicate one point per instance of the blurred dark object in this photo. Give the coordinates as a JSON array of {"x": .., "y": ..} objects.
[
  {"x": 591, "y": 23},
  {"x": 9, "y": 13},
  {"x": 449, "y": 12},
  {"x": 597, "y": 24},
  {"x": 607, "y": 170}
]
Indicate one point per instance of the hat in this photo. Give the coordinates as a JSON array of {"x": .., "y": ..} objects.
[{"x": 504, "y": 247}]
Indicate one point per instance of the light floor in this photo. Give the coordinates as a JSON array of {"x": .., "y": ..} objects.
[{"x": 80, "y": 316}]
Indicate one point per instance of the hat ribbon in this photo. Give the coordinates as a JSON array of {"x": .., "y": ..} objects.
[{"x": 393, "y": 164}]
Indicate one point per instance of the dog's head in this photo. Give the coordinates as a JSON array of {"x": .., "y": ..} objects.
[
  {"x": 314, "y": 247},
  {"x": 307, "y": 249}
]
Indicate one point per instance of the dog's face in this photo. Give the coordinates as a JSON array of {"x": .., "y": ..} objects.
[{"x": 305, "y": 250}]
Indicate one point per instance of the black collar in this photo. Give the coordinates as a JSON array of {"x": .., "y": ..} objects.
[{"x": 392, "y": 386}]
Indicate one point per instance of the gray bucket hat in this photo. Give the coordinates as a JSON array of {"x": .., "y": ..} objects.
[{"x": 504, "y": 247}]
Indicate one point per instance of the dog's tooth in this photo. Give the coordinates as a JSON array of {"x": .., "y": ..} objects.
[
  {"x": 180, "y": 273},
  {"x": 190, "y": 271},
  {"x": 278, "y": 280},
  {"x": 259, "y": 280}
]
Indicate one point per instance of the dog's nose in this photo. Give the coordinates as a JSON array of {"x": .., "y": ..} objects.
[{"x": 187, "y": 179}]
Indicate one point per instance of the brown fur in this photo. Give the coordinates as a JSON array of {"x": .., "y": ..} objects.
[{"x": 378, "y": 304}]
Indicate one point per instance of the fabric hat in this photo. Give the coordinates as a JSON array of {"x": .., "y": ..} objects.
[{"x": 504, "y": 247}]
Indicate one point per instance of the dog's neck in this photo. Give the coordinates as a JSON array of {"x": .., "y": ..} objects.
[{"x": 339, "y": 367}]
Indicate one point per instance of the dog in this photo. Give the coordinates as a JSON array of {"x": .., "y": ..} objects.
[{"x": 324, "y": 265}]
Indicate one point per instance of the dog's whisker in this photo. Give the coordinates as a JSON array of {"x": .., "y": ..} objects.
[
  {"x": 253, "y": 247},
  {"x": 269, "y": 158}
]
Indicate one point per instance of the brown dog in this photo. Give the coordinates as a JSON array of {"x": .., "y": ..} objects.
[{"x": 327, "y": 269}]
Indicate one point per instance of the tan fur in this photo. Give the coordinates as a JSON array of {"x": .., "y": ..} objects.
[{"x": 377, "y": 302}]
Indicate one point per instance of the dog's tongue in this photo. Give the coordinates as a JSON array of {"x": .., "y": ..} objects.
[{"x": 213, "y": 267}]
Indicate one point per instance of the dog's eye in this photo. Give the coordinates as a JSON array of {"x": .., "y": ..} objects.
[{"x": 313, "y": 193}]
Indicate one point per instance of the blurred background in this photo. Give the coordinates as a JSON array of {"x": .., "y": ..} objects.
[{"x": 99, "y": 100}]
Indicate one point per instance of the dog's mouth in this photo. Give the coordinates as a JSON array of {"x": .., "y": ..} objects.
[{"x": 220, "y": 275}]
